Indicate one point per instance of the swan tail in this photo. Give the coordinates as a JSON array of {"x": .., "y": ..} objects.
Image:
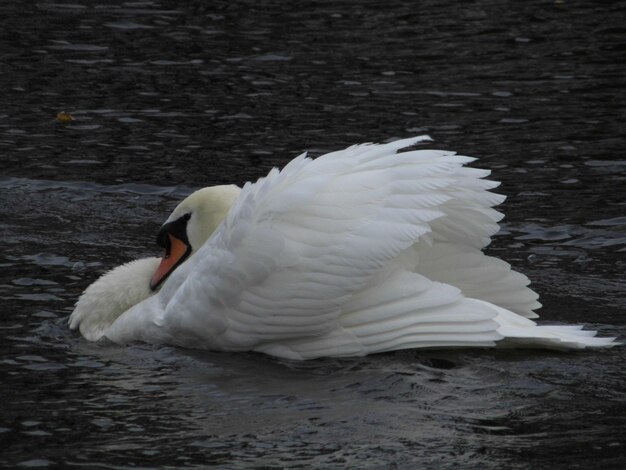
[{"x": 520, "y": 332}]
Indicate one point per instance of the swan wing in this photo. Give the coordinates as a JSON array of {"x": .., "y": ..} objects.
[
  {"x": 398, "y": 309},
  {"x": 478, "y": 276},
  {"x": 300, "y": 242},
  {"x": 453, "y": 254}
]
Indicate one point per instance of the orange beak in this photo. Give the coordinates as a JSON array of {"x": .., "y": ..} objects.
[{"x": 176, "y": 252}]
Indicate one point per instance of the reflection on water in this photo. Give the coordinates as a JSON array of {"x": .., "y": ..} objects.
[{"x": 169, "y": 96}]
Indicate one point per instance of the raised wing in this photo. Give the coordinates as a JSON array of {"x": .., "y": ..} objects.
[
  {"x": 478, "y": 276},
  {"x": 298, "y": 243}
]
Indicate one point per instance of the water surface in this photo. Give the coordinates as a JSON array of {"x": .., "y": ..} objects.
[{"x": 172, "y": 96}]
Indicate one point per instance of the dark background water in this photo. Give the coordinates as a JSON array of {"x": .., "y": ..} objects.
[{"x": 171, "y": 96}]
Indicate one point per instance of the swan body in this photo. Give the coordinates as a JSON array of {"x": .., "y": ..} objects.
[{"x": 359, "y": 251}]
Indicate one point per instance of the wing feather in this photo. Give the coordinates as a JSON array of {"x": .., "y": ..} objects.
[
  {"x": 479, "y": 276},
  {"x": 299, "y": 245}
]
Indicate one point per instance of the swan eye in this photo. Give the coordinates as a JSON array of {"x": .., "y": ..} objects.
[{"x": 187, "y": 216}]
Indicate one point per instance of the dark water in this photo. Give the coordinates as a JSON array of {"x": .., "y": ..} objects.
[{"x": 171, "y": 96}]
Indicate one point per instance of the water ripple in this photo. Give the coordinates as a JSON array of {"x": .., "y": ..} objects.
[{"x": 170, "y": 96}]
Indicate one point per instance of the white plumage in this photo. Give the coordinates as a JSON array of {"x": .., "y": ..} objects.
[{"x": 357, "y": 252}]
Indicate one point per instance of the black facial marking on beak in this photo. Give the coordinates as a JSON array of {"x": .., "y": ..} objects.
[
  {"x": 172, "y": 237},
  {"x": 177, "y": 227}
]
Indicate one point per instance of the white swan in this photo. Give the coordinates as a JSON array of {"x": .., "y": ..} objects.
[{"x": 360, "y": 251}]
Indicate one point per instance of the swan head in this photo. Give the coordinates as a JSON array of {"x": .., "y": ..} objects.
[
  {"x": 185, "y": 231},
  {"x": 191, "y": 223}
]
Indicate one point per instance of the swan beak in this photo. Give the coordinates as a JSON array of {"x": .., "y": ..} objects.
[{"x": 176, "y": 251}]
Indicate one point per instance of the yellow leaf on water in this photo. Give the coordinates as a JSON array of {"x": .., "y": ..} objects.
[{"x": 64, "y": 117}]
